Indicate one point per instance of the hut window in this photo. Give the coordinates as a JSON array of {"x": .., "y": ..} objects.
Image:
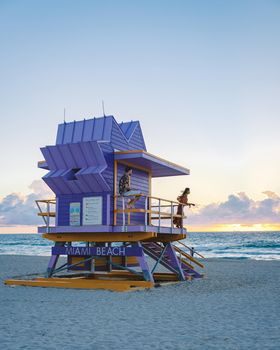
[{"x": 72, "y": 174}]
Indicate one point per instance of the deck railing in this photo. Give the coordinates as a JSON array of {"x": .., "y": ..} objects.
[
  {"x": 47, "y": 210},
  {"x": 155, "y": 209}
]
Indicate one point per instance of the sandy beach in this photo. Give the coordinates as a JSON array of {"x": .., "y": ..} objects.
[{"x": 236, "y": 306}]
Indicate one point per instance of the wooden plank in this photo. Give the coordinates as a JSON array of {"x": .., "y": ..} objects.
[
  {"x": 165, "y": 277},
  {"x": 83, "y": 283},
  {"x": 167, "y": 217},
  {"x": 165, "y": 206},
  {"x": 130, "y": 210},
  {"x": 50, "y": 214},
  {"x": 166, "y": 237},
  {"x": 136, "y": 166},
  {"x": 101, "y": 237},
  {"x": 175, "y": 203},
  {"x": 130, "y": 151},
  {"x": 134, "y": 210},
  {"x": 156, "y": 157},
  {"x": 52, "y": 201}
]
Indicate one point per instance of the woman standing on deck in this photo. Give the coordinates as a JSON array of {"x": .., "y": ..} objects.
[{"x": 180, "y": 210}]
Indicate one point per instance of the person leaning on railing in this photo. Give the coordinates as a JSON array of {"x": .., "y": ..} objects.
[
  {"x": 180, "y": 210},
  {"x": 125, "y": 189}
]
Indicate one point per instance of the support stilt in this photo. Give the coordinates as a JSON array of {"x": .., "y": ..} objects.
[
  {"x": 148, "y": 276},
  {"x": 53, "y": 260},
  {"x": 170, "y": 252}
]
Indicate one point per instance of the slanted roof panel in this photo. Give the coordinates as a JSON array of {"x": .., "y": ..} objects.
[
  {"x": 78, "y": 131},
  {"x": 136, "y": 140},
  {"x": 88, "y": 130},
  {"x": 108, "y": 122},
  {"x": 60, "y": 133},
  {"x": 96, "y": 129},
  {"x": 124, "y": 136},
  {"x": 133, "y": 133},
  {"x": 128, "y": 128},
  {"x": 157, "y": 166},
  {"x": 124, "y": 126}
]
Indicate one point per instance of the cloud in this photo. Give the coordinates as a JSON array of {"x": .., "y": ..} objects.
[
  {"x": 271, "y": 194},
  {"x": 17, "y": 209},
  {"x": 239, "y": 209}
]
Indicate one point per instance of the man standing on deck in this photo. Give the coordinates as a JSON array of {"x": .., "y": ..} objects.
[{"x": 125, "y": 189}]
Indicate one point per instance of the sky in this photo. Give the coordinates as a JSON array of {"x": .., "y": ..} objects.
[{"x": 202, "y": 77}]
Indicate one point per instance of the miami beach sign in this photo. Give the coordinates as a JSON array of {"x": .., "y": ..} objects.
[{"x": 97, "y": 251}]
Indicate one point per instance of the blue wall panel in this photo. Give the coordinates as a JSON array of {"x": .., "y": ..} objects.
[{"x": 64, "y": 206}]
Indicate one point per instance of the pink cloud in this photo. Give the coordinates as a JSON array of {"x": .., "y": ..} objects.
[
  {"x": 17, "y": 209},
  {"x": 239, "y": 208}
]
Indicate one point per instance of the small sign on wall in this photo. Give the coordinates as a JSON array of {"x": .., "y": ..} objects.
[
  {"x": 75, "y": 214},
  {"x": 92, "y": 210}
]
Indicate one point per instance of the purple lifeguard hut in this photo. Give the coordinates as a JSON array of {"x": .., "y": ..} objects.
[{"x": 106, "y": 244}]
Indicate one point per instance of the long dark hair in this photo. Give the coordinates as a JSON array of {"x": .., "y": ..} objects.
[{"x": 186, "y": 191}]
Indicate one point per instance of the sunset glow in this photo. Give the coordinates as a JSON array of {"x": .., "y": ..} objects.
[
  {"x": 191, "y": 228},
  {"x": 235, "y": 227},
  {"x": 18, "y": 229}
]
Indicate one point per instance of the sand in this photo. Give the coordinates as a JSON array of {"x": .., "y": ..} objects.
[{"x": 237, "y": 306}]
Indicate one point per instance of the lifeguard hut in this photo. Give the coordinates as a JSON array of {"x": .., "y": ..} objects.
[{"x": 106, "y": 244}]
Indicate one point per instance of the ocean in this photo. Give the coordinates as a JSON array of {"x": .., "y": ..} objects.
[{"x": 224, "y": 245}]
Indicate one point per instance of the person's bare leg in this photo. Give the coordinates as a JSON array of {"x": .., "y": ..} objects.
[{"x": 134, "y": 200}]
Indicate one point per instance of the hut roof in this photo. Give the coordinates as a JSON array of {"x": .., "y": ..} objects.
[{"x": 101, "y": 129}]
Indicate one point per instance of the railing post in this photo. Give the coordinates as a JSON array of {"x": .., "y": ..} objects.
[
  {"x": 115, "y": 201},
  {"x": 48, "y": 216},
  {"x": 182, "y": 218},
  {"x": 40, "y": 210},
  {"x": 123, "y": 208},
  {"x": 172, "y": 217},
  {"x": 159, "y": 212},
  {"x": 146, "y": 209}
]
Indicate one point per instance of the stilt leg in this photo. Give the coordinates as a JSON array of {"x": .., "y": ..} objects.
[
  {"x": 174, "y": 261},
  {"x": 52, "y": 264},
  {"x": 148, "y": 276},
  {"x": 53, "y": 260}
]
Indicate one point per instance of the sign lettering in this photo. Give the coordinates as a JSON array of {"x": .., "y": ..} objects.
[{"x": 97, "y": 251}]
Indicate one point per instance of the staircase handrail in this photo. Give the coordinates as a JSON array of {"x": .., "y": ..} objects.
[
  {"x": 192, "y": 250},
  {"x": 189, "y": 257}
]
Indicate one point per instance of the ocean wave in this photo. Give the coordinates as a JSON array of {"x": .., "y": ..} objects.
[{"x": 246, "y": 245}]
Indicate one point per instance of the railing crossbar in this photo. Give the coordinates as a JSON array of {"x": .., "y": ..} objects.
[
  {"x": 148, "y": 210},
  {"x": 46, "y": 215},
  {"x": 191, "y": 249}
]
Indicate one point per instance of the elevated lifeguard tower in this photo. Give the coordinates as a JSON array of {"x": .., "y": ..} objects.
[{"x": 105, "y": 243}]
